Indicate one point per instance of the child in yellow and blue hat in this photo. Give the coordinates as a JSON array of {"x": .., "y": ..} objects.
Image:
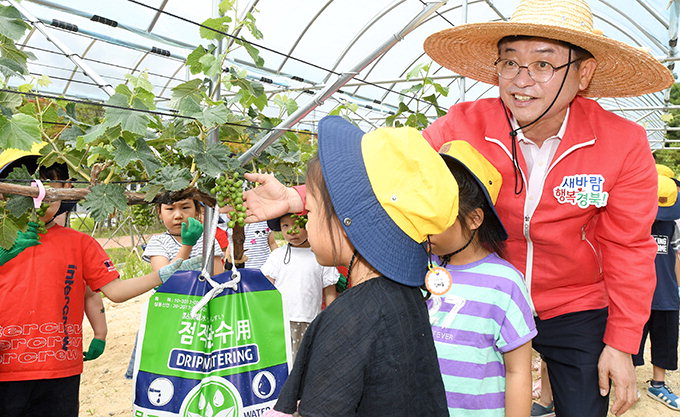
[
  {"x": 662, "y": 325},
  {"x": 480, "y": 311},
  {"x": 372, "y": 200}
]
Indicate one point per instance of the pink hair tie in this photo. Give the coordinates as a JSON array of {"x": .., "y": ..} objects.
[{"x": 41, "y": 193}]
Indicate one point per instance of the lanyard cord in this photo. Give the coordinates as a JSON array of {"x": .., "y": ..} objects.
[
  {"x": 446, "y": 258},
  {"x": 513, "y": 133}
]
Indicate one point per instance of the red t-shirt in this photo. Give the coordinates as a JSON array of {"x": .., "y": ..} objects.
[{"x": 42, "y": 294}]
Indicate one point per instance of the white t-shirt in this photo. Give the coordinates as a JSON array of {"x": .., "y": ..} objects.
[
  {"x": 166, "y": 245},
  {"x": 256, "y": 244},
  {"x": 301, "y": 281}
]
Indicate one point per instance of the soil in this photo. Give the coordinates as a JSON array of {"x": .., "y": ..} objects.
[{"x": 105, "y": 392}]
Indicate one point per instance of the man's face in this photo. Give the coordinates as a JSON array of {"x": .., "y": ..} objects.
[{"x": 528, "y": 99}]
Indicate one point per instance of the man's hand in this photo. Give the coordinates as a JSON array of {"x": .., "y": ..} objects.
[
  {"x": 95, "y": 350},
  {"x": 24, "y": 240},
  {"x": 617, "y": 366},
  {"x": 270, "y": 200},
  {"x": 191, "y": 232}
]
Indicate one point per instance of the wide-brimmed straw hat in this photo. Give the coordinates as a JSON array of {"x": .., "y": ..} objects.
[
  {"x": 622, "y": 70},
  {"x": 390, "y": 190}
]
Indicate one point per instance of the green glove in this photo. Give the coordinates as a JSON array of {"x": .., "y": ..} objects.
[
  {"x": 95, "y": 350},
  {"x": 24, "y": 240},
  {"x": 191, "y": 264},
  {"x": 341, "y": 285},
  {"x": 191, "y": 232}
]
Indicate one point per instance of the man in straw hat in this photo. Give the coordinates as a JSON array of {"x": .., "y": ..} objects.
[{"x": 579, "y": 187}]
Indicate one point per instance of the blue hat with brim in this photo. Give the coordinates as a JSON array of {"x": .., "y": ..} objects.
[{"x": 371, "y": 230}]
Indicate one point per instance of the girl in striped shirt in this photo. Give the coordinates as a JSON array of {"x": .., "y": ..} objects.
[{"x": 480, "y": 312}]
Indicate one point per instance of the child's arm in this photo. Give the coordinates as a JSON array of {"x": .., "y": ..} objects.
[
  {"x": 218, "y": 266},
  {"x": 120, "y": 290},
  {"x": 158, "y": 262},
  {"x": 271, "y": 240},
  {"x": 329, "y": 294},
  {"x": 94, "y": 310},
  {"x": 518, "y": 381}
]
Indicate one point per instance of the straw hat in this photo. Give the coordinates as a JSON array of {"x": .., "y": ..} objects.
[{"x": 471, "y": 49}]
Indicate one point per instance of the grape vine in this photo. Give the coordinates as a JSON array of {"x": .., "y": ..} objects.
[
  {"x": 228, "y": 191},
  {"x": 300, "y": 221}
]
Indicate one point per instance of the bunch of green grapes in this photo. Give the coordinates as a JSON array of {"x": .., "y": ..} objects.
[
  {"x": 300, "y": 223},
  {"x": 228, "y": 191},
  {"x": 39, "y": 212},
  {"x": 141, "y": 215}
]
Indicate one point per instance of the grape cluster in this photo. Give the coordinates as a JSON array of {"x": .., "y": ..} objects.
[
  {"x": 40, "y": 212},
  {"x": 141, "y": 215},
  {"x": 300, "y": 223},
  {"x": 228, "y": 191}
]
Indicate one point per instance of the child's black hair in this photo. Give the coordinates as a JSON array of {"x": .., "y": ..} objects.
[
  {"x": 471, "y": 197},
  {"x": 171, "y": 197},
  {"x": 57, "y": 171}
]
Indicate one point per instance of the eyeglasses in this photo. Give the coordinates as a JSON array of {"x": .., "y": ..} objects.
[{"x": 539, "y": 71}]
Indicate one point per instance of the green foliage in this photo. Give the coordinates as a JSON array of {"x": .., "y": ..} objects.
[
  {"x": 671, "y": 157},
  {"x": 12, "y": 28},
  {"x": 424, "y": 89},
  {"x": 83, "y": 224},
  {"x": 104, "y": 199},
  {"x": 20, "y": 131},
  {"x": 128, "y": 262},
  {"x": 103, "y": 145}
]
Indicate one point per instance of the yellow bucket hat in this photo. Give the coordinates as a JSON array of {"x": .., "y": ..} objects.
[
  {"x": 665, "y": 171},
  {"x": 390, "y": 190},
  {"x": 464, "y": 155},
  {"x": 668, "y": 191},
  {"x": 10, "y": 155}
]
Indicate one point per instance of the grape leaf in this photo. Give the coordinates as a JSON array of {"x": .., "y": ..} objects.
[
  {"x": 253, "y": 52},
  {"x": 218, "y": 23},
  {"x": 187, "y": 94},
  {"x": 151, "y": 191},
  {"x": 131, "y": 121},
  {"x": 172, "y": 178},
  {"x": 147, "y": 157},
  {"x": 215, "y": 160},
  {"x": 11, "y": 23},
  {"x": 18, "y": 205},
  {"x": 190, "y": 146},
  {"x": 193, "y": 60},
  {"x": 8, "y": 232},
  {"x": 104, "y": 199},
  {"x": 19, "y": 132},
  {"x": 123, "y": 154},
  {"x": 212, "y": 116}
]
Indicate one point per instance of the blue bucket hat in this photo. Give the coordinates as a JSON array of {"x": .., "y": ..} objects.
[{"x": 390, "y": 190}]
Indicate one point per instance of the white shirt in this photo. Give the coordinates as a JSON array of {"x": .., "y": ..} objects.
[
  {"x": 301, "y": 281},
  {"x": 538, "y": 161},
  {"x": 166, "y": 245}
]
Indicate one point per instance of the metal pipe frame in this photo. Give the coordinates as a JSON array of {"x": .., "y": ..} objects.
[
  {"x": 101, "y": 83},
  {"x": 322, "y": 95}
]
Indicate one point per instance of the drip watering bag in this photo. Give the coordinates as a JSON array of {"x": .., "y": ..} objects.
[{"x": 231, "y": 361}]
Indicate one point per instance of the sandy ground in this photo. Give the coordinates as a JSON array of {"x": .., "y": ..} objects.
[{"x": 105, "y": 392}]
